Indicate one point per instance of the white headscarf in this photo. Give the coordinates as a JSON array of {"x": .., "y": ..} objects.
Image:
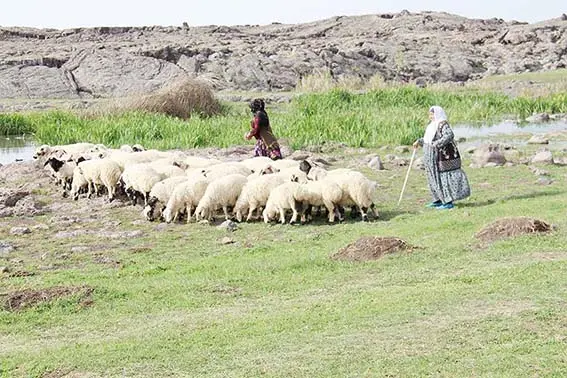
[{"x": 439, "y": 116}]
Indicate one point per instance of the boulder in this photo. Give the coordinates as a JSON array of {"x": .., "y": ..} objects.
[{"x": 488, "y": 154}]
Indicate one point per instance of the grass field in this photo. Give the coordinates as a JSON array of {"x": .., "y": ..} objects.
[{"x": 177, "y": 302}]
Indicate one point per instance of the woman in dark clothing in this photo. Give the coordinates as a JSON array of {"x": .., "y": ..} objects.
[
  {"x": 266, "y": 142},
  {"x": 447, "y": 181}
]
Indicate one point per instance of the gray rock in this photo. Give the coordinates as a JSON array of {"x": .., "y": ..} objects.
[
  {"x": 83, "y": 63},
  {"x": 71, "y": 234},
  {"x": 5, "y": 248},
  {"x": 492, "y": 165},
  {"x": 400, "y": 162},
  {"x": 488, "y": 154},
  {"x": 226, "y": 240},
  {"x": 544, "y": 181},
  {"x": 20, "y": 230},
  {"x": 538, "y": 139},
  {"x": 300, "y": 155},
  {"x": 162, "y": 226},
  {"x": 539, "y": 172},
  {"x": 376, "y": 164},
  {"x": 418, "y": 164},
  {"x": 4, "y": 269},
  {"x": 121, "y": 234},
  {"x": 228, "y": 225},
  {"x": 543, "y": 157},
  {"x": 558, "y": 116},
  {"x": 538, "y": 118},
  {"x": 12, "y": 199}
]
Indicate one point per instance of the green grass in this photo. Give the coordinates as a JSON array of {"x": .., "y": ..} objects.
[
  {"x": 273, "y": 304},
  {"x": 385, "y": 116}
]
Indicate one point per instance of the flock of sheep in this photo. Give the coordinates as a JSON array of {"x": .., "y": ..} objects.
[{"x": 172, "y": 185}]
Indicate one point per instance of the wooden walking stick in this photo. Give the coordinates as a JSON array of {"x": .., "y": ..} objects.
[{"x": 407, "y": 176}]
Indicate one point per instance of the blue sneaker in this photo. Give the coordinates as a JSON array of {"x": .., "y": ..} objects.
[
  {"x": 434, "y": 204},
  {"x": 447, "y": 206}
]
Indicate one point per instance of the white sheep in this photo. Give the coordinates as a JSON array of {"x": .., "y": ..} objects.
[
  {"x": 257, "y": 163},
  {"x": 221, "y": 192},
  {"x": 186, "y": 196},
  {"x": 159, "y": 196},
  {"x": 101, "y": 172},
  {"x": 62, "y": 171},
  {"x": 200, "y": 162},
  {"x": 79, "y": 184},
  {"x": 357, "y": 191},
  {"x": 224, "y": 169},
  {"x": 319, "y": 193},
  {"x": 281, "y": 199},
  {"x": 167, "y": 168},
  {"x": 255, "y": 194},
  {"x": 138, "y": 180},
  {"x": 284, "y": 163},
  {"x": 76, "y": 148}
]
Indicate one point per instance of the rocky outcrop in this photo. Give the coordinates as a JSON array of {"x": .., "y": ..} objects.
[{"x": 421, "y": 47}]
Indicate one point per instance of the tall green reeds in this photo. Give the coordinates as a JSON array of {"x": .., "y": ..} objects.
[{"x": 395, "y": 115}]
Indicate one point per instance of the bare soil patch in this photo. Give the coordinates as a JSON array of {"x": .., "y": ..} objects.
[
  {"x": 23, "y": 299},
  {"x": 372, "y": 248},
  {"x": 512, "y": 227}
]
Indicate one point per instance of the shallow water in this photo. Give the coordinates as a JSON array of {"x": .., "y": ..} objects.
[
  {"x": 15, "y": 148},
  {"x": 507, "y": 128}
]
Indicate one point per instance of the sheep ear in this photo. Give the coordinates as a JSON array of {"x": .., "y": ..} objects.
[{"x": 81, "y": 159}]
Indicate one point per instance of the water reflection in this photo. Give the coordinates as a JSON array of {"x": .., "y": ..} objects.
[
  {"x": 511, "y": 128},
  {"x": 15, "y": 148}
]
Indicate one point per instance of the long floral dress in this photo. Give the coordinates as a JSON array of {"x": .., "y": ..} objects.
[{"x": 444, "y": 186}]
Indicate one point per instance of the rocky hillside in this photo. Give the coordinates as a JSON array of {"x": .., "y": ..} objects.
[{"x": 118, "y": 61}]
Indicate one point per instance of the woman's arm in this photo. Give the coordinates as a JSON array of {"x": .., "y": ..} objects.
[
  {"x": 255, "y": 127},
  {"x": 447, "y": 136}
]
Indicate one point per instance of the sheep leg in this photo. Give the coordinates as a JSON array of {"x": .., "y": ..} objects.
[
  {"x": 295, "y": 213},
  {"x": 364, "y": 214},
  {"x": 282, "y": 215},
  {"x": 90, "y": 192},
  {"x": 330, "y": 211},
  {"x": 354, "y": 212},
  {"x": 337, "y": 212},
  {"x": 110, "y": 190},
  {"x": 250, "y": 212},
  {"x": 225, "y": 211}
]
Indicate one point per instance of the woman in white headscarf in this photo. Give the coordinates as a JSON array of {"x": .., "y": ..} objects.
[{"x": 447, "y": 181}]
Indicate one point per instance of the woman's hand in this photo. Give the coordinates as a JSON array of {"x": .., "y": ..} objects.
[
  {"x": 247, "y": 136},
  {"x": 415, "y": 145}
]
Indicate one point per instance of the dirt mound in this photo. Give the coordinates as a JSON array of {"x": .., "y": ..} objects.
[
  {"x": 512, "y": 227},
  {"x": 371, "y": 248},
  {"x": 20, "y": 300}
]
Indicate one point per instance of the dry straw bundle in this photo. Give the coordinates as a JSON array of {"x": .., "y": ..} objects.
[{"x": 179, "y": 100}]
